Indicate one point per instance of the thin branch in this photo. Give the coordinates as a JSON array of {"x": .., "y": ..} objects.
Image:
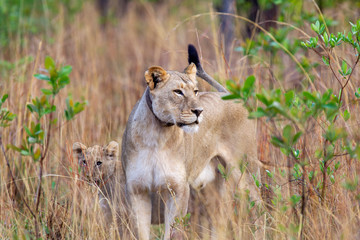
[
  {"x": 347, "y": 81},
  {"x": 332, "y": 70},
  {"x": 303, "y": 195},
  {"x": 323, "y": 191},
  {"x": 43, "y": 155},
  {"x": 317, "y": 52}
]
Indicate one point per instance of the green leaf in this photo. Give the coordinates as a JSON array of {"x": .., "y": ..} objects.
[
  {"x": 249, "y": 83},
  {"x": 31, "y": 107},
  {"x": 230, "y": 97},
  {"x": 262, "y": 99},
  {"x": 24, "y": 153},
  {"x": 344, "y": 67},
  {"x": 37, "y": 154},
  {"x": 346, "y": 115},
  {"x": 231, "y": 85},
  {"x": 276, "y": 105},
  {"x": 13, "y": 147},
  {"x": 64, "y": 80},
  {"x": 337, "y": 165},
  {"x": 325, "y": 38},
  {"x": 67, "y": 115},
  {"x": 332, "y": 179},
  {"x": 322, "y": 29},
  {"x": 328, "y": 170},
  {"x": 46, "y": 91},
  {"x": 79, "y": 107},
  {"x": 296, "y": 137},
  {"x": 49, "y": 63},
  {"x": 309, "y": 96},
  {"x": 32, "y": 140},
  {"x": 257, "y": 182},
  {"x": 296, "y": 153},
  {"x": 222, "y": 171},
  {"x": 257, "y": 114},
  {"x": 357, "y": 94},
  {"x": 270, "y": 174},
  {"x": 313, "y": 27},
  {"x": 289, "y": 97},
  {"x": 65, "y": 70},
  {"x": 27, "y": 130},
  {"x": 316, "y": 27},
  {"x": 295, "y": 199},
  {"x": 326, "y": 60},
  {"x": 42, "y": 77},
  {"x": 277, "y": 142},
  {"x": 4, "y": 98},
  {"x": 331, "y": 105},
  {"x": 53, "y": 184},
  {"x": 38, "y": 132},
  {"x": 37, "y": 128},
  {"x": 287, "y": 133},
  {"x": 311, "y": 175}
]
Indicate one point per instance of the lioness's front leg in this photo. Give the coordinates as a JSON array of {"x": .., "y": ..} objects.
[
  {"x": 141, "y": 212},
  {"x": 176, "y": 206}
]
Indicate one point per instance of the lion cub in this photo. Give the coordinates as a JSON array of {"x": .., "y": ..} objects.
[{"x": 101, "y": 166}]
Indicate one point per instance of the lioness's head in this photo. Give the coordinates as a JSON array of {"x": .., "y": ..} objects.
[
  {"x": 97, "y": 163},
  {"x": 175, "y": 97}
]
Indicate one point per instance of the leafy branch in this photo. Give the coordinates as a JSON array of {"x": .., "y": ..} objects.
[{"x": 36, "y": 143}]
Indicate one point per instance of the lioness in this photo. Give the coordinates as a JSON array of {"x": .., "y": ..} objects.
[{"x": 172, "y": 135}]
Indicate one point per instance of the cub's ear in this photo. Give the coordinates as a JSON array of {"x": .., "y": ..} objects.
[
  {"x": 155, "y": 75},
  {"x": 112, "y": 150},
  {"x": 78, "y": 150},
  {"x": 191, "y": 71}
]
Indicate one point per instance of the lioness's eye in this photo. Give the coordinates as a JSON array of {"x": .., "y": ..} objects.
[
  {"x": 196, "y": 92},
  {"x": 178, "y": 92},
  {"x": 98, "y": 163}
]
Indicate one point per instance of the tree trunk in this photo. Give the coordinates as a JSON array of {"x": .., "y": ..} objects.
[{"x": 227, "y": 25}]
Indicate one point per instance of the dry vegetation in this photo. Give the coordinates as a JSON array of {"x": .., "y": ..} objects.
[{"x": 108, "y": 65}]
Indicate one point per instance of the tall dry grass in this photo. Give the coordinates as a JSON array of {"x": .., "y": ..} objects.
[{"x": 108, "y": 66}]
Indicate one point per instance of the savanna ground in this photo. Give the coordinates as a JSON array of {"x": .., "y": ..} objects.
[{"x": 315, "y": 197}]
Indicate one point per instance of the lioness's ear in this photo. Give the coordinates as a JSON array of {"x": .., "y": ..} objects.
[
  {"x": 78, "y": 150},
  {"x": 154, "y": 75},
  {"x": 191, "y": 71},
  {"x": 112, "y": 150}
]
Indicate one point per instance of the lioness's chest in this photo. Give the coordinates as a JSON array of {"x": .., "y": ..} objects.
[{"x": 152, "y": 168}]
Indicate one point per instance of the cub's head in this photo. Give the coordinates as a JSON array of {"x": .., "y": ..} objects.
[
  {"x": 175, "y": 97},
  {"x": 97, "y": 163}
]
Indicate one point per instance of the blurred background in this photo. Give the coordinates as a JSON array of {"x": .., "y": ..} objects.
[{"x": 110, "y": 44}]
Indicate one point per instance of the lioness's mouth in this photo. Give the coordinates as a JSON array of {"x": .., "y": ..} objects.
[{"x": 187, "y": 124}]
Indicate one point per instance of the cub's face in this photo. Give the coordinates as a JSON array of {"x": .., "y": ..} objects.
[
  {"x": 175, "y": 97},
  {"x": 97, "y": 163}
]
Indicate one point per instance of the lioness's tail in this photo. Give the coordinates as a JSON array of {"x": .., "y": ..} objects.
[{"x": 194, "y": 58}]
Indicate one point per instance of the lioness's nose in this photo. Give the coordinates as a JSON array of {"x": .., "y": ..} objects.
[{"x": 197, "y": 111}]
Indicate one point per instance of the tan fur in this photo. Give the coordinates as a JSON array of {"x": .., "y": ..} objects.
[
  {"x": 101, "y": 165},
  {"x": 167, "y": 159}
]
